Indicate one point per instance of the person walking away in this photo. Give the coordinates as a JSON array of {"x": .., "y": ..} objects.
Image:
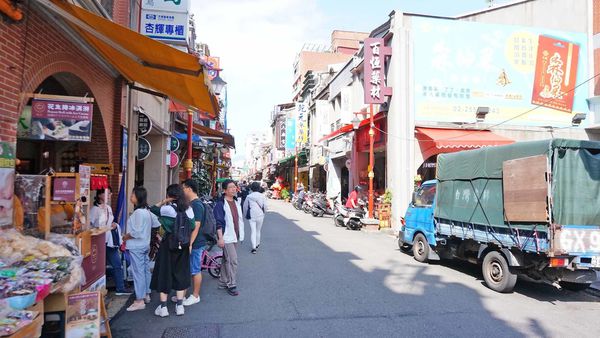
[
  {"x": 137, "y": 241},
  {"x": 172, "y": 267},
  {"x": 230, "y": 231},
  {"x": 190, "y": 189},
  {"x": 255, "y": 206},
  {"x": 101, "y": 215}
]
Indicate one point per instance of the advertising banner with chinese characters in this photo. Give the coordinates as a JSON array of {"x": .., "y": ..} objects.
[
  {"x": 280, "y": 135},
  {"x": 301, "y": 124},
  {"x": 57, "y": 121},
  {"x": 170, "y": 27},
  {"x": 460, "y": 66},
  {"x": 214, "y": 63},
  {"x": 290, "y": 133}
]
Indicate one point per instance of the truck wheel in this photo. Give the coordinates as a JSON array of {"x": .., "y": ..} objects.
[
  {"x": 421, "y": 248},
  {"x": 574, "y": 286},
  {"x": 497, "y": 274}
]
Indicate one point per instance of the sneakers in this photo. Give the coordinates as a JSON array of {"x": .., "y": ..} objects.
[
  {"x": 162, "y": 311},
  {"x": 123, "y": 293},
  {"x": 233, "y": 291},
  {"x": 136, "y": 306},
  {"x": 179, "y": 310},
  {"x": 147, "y": 299},
  {"x": 222, "y": 286},
  {"x": 253, "y": 251},
  {"x": 191, "y": 300}
]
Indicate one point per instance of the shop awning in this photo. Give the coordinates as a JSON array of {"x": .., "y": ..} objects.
[
  {"x": 435, "y": 141},
  {"x": 141, "y": 59},
  {"x": 349, "y": 127},
  {"x": 210, "y": 134}
]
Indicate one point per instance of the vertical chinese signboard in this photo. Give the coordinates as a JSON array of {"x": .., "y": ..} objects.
[
  {"x": 555, "y": 73},
  {"x": 374, "y": 71},
  {"x": 280, "y": 134},
  {"x": 301, "y": 124},
  {"x": 166, "y": 20},
  {"x": 290, "y": 133}
]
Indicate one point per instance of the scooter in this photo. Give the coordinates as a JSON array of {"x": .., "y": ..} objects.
[
  {"x": 350, "y": 218},
  {"x": 321, "y": 206},
  {"x": 308, "y": 203},
  {"x": 298, "y": 200}
]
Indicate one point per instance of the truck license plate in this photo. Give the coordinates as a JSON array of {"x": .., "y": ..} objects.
[{"x": 578, "y": 240}]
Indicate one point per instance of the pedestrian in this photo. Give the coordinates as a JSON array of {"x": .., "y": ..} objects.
[
  {"x": 172, "y": 267},
  {"x": 190, "y": 189},
  {"x": 101, "y": 215},
  {"x": 230, "y": 231},
  {"x": 137, "y": 242},
  {"x": 255, "y": 206}
]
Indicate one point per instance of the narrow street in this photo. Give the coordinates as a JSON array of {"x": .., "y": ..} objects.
[{"x": 310, "y": 278}]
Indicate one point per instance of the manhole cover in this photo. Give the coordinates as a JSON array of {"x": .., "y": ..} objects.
[{"x": 192, "y": 331}]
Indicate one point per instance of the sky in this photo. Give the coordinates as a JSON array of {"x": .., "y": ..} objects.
[{"x": 257, "y": 42}]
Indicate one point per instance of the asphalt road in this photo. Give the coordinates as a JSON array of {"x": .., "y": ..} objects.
[{"x": 311, "y": 279}]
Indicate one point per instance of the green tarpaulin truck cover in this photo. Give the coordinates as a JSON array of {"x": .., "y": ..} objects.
[{"x": 470, "y": 182}]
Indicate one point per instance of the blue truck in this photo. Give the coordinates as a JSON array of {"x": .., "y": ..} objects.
[{"x": 525, "y": 209}]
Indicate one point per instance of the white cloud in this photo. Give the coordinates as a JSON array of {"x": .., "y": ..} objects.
[{"x": 257, "y": 42}]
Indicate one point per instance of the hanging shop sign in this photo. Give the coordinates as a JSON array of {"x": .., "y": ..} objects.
[
  {"x": 280, "y": 135},
  {"x": 64, "y": 189},
  {"x": 144, "y": 124},
  {"x": 301, "y": 124},
  {"x": 167, "y": 5},
  {"x": 101, "y": 168},
  {"x": 56, "y": 121},
  {"x": 171, "y": 27},
  {"x": 144, "y": 149},
  {"x": 374, "y": 70},
  {"x": 290, "y": 133},
  {"x": 173, "y": 160},
  {"x": 174, "y": 144},
  {"x": 213, "y": 64}
]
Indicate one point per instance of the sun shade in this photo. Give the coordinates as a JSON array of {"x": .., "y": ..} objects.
[{"x": 141, "y": 59}]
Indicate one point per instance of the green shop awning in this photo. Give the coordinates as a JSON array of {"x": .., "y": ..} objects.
[{"x": 302, "y": 159}]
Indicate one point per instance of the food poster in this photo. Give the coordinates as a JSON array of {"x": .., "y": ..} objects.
[
  {"x": 526, "y": 76},
  {"x": 85, "y": 175},
  {"x": 7, "y": 183},
  {"x": 83, "y": 315},
  {"x": 555, "y": 73},
  {"x": 29, "y": 204},
  {"x": 57, "y": 121}
]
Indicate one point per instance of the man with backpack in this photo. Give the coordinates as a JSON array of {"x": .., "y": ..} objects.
[
  {"x": 230, "y": 230},
  {"x": 190, "y": 190}
]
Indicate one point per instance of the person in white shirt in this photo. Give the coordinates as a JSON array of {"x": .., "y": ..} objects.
[
  {"x": 254, "y": 209},
  {"x": 137, "y": 242},
  {"x": 101, "y": 215}
]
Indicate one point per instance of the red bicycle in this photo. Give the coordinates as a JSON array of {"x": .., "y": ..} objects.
[{"x": 211, "y": 263}]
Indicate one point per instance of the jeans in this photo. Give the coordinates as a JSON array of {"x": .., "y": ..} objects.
[
  {"x": 140, "y": 269},
  {"x": 114, "y": 259}
]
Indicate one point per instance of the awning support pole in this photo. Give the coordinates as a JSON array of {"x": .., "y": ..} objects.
[
  {"x": 188, "y": 165},
  {"x": 371, "y": 161}
]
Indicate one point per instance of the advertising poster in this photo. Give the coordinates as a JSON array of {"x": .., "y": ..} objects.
[
  {"x": 526, "y": 75},
  {"x": 64, "y": 189},
  {"x": 290, "y": 133},
  {"x": 83, "y": 315},
  {"x": 57, "y": 121},
  {"x": 7, "y": 182},
  {"x": 168, "y": 26}
]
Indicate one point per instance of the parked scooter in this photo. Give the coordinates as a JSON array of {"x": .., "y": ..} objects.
[
  {"x": 298, "y": 199},
  {"x": 321, "y": 206},
  {"x": 350, "y": 218},
  {"x": 308, "y": 203}
]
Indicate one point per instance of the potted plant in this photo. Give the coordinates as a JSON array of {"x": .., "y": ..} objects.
[{"x": 285, "y": 194}]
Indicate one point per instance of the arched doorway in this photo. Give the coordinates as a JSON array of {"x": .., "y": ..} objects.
[{"x": 39, "y": 155}]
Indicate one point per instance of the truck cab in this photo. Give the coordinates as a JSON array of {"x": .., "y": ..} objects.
[{"x": 418, "y": 228}]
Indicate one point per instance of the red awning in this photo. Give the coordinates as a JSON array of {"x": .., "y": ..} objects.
[
  {"x": 176, "y": 107},
  {"x": 348, "y": 127},
  {"x": 436, "y": 141}
]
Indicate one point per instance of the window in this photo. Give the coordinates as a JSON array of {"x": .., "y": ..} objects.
[{"x": 425, "y": 196}]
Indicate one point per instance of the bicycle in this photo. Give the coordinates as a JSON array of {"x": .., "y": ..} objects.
[{"x": 211, "y": 263}]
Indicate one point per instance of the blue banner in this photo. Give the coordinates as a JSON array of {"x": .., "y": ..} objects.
[{"x": 290, "y": 134}]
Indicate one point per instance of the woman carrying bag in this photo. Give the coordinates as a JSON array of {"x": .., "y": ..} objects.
[{"x": 254, "y": 211}]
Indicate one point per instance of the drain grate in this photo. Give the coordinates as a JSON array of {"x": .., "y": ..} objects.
[{"x": 211, "y": 330}]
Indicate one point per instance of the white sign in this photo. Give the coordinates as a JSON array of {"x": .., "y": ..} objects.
[
  {"x": 338, "y": 147},
  {"x": 168, "y": 26},
  {"x": 167, "y": 5}
]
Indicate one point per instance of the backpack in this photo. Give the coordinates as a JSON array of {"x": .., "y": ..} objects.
[
  {"x": 209, "y": 226},
  {"x": 182, "y": 231}
]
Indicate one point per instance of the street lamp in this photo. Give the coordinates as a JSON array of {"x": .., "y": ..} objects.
[
  {"x": 217, "y": 85},
  {"x": 355, "y": 122}
]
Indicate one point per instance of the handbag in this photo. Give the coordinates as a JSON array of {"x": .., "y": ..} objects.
[{"x": 248, "y": 211}]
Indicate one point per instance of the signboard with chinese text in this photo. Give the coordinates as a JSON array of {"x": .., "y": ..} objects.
[
  {"x": 212, "y": 62},
  {"x": 64, "y": 189},
  {"x": 82, "y": 315},
  {"x": 58, "y": 121},
  {"x": 301, "y": 124},
  {"x": 280, "y": 134},
  {"x": 101, "y": 168},
  {"x": 290, "y": 133},
  {"x": 374, "y": 70},
  {"x": 167, "y": 5},
  {"x": 171, "y": 27},
  {"x": 144, "y": 149},
  {"x": 174, "y": 143},
  {"x": 144, "y": 124},
  {"x": 460, "y": 66},
  {"x": 555, "y": 73}
]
